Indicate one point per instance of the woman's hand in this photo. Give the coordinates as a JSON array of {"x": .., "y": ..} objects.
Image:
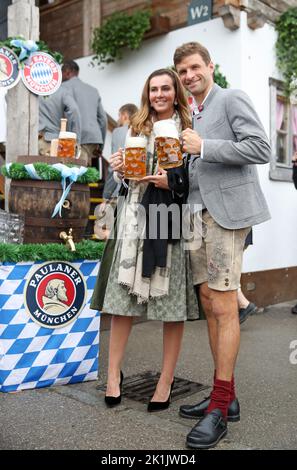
[
  {"x": 160, "y": 180},
  {"x": 116, "y": 162},
  {"x": 294, "y": 159}
]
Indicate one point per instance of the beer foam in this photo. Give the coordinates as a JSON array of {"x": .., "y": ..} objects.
[
  {"x": 135, "y": 142},
  {"x": 166, "y": 128},
  {"x": 67, "y": 135}
]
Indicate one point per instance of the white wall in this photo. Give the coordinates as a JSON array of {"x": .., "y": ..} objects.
[
  {"x": 247, "y": 59},
  {"x": 122, "y": 82},
  {"x": 274, "y": 241}
]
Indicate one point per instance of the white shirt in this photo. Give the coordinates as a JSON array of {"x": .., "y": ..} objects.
[
  {"x": 195, "y": 112},
  {"x": 2, "y": 114}
]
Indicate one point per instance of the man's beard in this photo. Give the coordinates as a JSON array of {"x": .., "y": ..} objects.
[{"x": 62, "y": 297}]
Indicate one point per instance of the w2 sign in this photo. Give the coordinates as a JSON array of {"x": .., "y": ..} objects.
[{"x": 199, "y": 11}]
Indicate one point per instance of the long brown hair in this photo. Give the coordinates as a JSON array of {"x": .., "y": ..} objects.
[{"x": 142, "y": 121}]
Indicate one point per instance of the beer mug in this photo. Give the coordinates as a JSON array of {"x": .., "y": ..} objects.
[
  {"x": 67, "y": 146},
  {"x": 54, "y": 147},
  {"x": 135, "y": 158},
  {"x": 167, "y": 144}
]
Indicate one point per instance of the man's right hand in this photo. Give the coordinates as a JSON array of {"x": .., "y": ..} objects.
[
  {"x": 117, "y": 162},
  {"x": 191, "y": 142}
]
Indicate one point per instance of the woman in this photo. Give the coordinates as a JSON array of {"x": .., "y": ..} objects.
[{"x": 168, "y": 295}]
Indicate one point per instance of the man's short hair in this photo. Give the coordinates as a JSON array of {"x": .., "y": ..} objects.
[
  {"x": 129, "y": 108},
  {"x": 71, "y": 65},
  {"x": 191, "y": 48}
]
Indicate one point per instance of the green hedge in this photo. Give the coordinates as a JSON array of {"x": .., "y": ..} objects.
[
  {"x": 52, "y": 251},
  {"x": 17, "y": 171}
]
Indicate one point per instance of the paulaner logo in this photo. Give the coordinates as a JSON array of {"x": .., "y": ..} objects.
[
  {"x": 55, "y": 294},
  {"x": 9, "y": 68}
]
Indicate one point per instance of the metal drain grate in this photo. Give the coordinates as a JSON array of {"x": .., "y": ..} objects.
[{"x": 140, "y": 387}]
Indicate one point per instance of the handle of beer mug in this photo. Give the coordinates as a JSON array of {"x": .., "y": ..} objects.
[
  {"x": 114, "y": 164},
  {"x": 123, "y": 150},
  {"x": 124, "y": 162},
  {"x": 77, "y": 150},
  {"x": 124, "y": 157}
]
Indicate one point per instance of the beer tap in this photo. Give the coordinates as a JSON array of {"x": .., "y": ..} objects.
[{"x": 68, "y": 239}]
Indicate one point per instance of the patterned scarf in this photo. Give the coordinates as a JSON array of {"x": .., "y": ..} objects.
[{"x": 130, "y": 270}]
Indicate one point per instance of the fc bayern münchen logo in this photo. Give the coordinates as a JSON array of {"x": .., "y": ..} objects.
[
  {"x": 42, "y": 74},
  {"x": 55, "y": 294},
  {"x": 9, "y": 68}
]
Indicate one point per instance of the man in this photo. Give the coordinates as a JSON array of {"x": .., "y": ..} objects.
[
  {"x": 227, "y": 142},
  {"x": 51, "y": 110},
  {"x": 93, "y": 117}
]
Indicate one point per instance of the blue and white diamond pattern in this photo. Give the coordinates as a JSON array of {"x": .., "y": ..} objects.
[
  {"x": 41, "y": 73},
  {"x": 32, "y": 356}
]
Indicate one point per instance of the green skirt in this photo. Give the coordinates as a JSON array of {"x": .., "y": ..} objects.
[{"x": 111, "y": 297}]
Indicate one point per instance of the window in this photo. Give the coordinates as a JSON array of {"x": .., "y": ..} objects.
[{"x": 283, "y": 132}]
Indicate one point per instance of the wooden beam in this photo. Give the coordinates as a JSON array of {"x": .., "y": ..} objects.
[
  {"x": 255, "y": 19},
  {"x": 91, "y": 19},
  {"x": 159, "y": 25},
  {"x": 55, "y": 7},
  {"x": 220, "y": 3},
  {"x": 111, "y": 6},
  {"x": 22, "y": 105},
  {"x": 62, "y": 29},
  {"x": 280, "y": 5},
  {"x": 257, "y": 5},
  {"x": 178, "y": 17},
  {"x": 230, "y": 16}
]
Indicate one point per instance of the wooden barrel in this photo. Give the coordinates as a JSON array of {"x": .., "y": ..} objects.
[
  {"x": 50, "y": 160},
  {"x": 36, "y": 200}
]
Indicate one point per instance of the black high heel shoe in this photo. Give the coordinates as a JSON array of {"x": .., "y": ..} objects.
[
  {"x": 160, "y": 405},
  {"x": 113, "y": 401}
]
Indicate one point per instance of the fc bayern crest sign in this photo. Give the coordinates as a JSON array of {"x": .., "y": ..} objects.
[
  {"x": 55, "y": 294},
  {"x": 41, "y": 74},
  {"x": 9, "y": 68}
]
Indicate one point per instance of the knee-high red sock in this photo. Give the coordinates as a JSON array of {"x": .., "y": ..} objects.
[
  {"x": 220, "y": 396},
  {"x": 232, "y": 391}
]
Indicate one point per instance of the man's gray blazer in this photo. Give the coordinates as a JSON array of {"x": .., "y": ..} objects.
[
  {"x": 55, "y": 107},
  {"x": 93, "y": 117},
  {"x": 234, "y": 141},
  {"x": 118, "y": 138}
]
